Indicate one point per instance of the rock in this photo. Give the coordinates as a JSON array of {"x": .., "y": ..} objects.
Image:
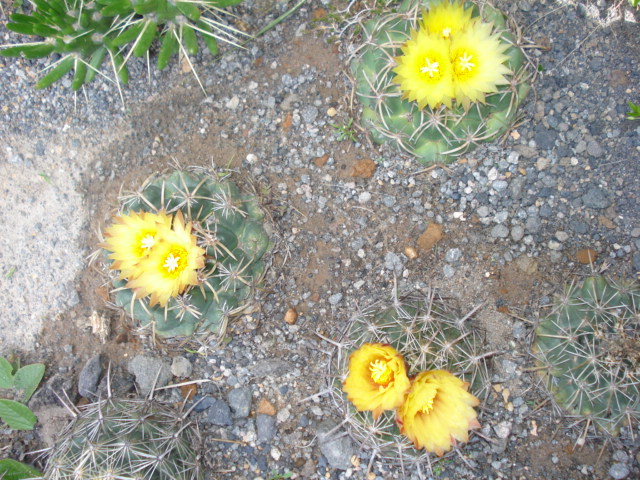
[
  {"x": 517, "y": 232},
  {"x": 218, "y": 413},
  {"x": 364, "y": 168},
  {"x": 636, "y": 261},
  {"x": 586, "y": 256},
  {"x": 309, "y": 113},
  {"x": 431, "y": 236},
  {"x": 533, "y": 224},
  {"x": 545, "y": 139},
  {"x": 595, "y": 198},
  {"x": 619, "y": 471},
  {"x": 500, "y": 231},
  {"x": 90, "y": 377},
  {"x": 594, "y": 149},
  {"x": 147, "y": 369},
  {"x": 453, "y": 255},
  {"x": 483, "y": 211},
  {"x": 393, "y": 262},
  {"x": 240, "y": 402},
  {"x": 335, "y": 445},
  {"x": 503, "y": 429},
  {"x": 266, "y": 428},
  {"x": 181, "y": 367},
  {"x": 335, "y": 298},
  {"x": 271, "y": 367}
]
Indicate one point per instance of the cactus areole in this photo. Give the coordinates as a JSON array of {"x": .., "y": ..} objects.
[
  {"x": 436, "y": 78},
  {"x": 188, "y": 249}
]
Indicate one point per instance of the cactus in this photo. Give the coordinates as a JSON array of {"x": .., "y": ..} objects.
[
  {"x": 440, "y": 134},
  {"x": 430, "y": 334},
  {"x": 84, "y": 34},
  {"x": 587, "y": 348},
  {"x": 228, "y": 226},
  {"x": 128, "y": 439}
]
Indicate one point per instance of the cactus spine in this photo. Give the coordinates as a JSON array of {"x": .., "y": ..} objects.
[{"x": 588, "y": 350}]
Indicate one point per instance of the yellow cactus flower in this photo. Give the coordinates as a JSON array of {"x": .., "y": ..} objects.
[
  {"x": 446, "y": 19},
  {"x": 438, "y": 411},
  {"x": 377, "y": 378},
  {"x": 478, "y": 57},
  {"x": 171, "y": 266},
  {"x": 130, "y": 239},
  {"x": 424, "y": 72}
]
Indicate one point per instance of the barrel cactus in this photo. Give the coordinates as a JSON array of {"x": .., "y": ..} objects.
[
  {"x": 128, "y": 439},
  {"x": 428, "y": 332},
  {"x": 438, "y": 82},
  {"x": 85, "y": 33},
  {"x": 189, "y": 249},
  {"x": 588, "y": 351}
]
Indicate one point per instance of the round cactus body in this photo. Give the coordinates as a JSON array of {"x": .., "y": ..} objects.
[
  {"x": 128, "y": 440},
  {"x": 440, "y": 134},
  {"x": 588, "y": 348},
  {"x": 431, "y": 335},
  {"x": 228, "y": 226}
]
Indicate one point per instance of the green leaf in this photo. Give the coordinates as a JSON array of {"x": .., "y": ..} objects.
[
  {"x": 168, "y": 47},
  {"x": 14, "y": 470},
  {"x": 114, "y": 8},
  {"x": 95, "y": 63},
  {"x": 56, "y": 73},
  {"x": 209, "y": 40},
  {"x": 22, "y": 28},
  {"x": 79, "y": 74},
  {"x": 121, "y": 68},
  {"x": 28, "y": 377},
  {"x": 189, "y": 10},
  {"x": 6, "y": 373},
  {"x": 634, "y": 111},
  {"x": 16, "y": 415},
  {"x": 225, "y": 3},
  {"x": 146, "y": 37},
  {"x": 190, "y": 40},
  {"x": 128, "y": 35},
  {"x": 143, "y": 8}
]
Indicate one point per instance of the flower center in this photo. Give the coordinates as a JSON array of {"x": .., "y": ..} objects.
[
  {"x": 147, "y": 242},
  {"x": 171, "y": 262},
  {"x": 446, "y": 32},
  {"x": 174, "y": 261},
  {"x": 381, "y": 373},
  {"x": 465, "y": 62},
  {"x": 427, "y": 406},
  {"x": 432, "y": 68}
]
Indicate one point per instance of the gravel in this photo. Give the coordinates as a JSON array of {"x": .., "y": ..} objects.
[{"x": 564, "y": 180}]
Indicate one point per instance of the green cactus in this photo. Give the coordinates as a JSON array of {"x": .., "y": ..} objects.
[
  {"x": 128, "y": 439},
  {"x": 431, "y": 335},
  {"x": 228, "y": 225},
  {"x": 588, "y": 351},
  {"x": 438, "y": 135},
  {"x": 85, "y": 33}
]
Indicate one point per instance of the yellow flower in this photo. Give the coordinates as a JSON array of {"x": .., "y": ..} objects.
[
  {"x": 171, "y": 265},
  {"x": 130, "y": 239},
  {"x": 438, "y": 411},
  {"x": 478, "y": 60},
  {"x": 446, "y": 19},
  {"x": 424, "y": 72},
  {"x": 377, "y": 379}
]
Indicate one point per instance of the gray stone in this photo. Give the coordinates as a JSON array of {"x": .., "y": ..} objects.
[
  {"x": 309, "y": 114},
  {"x": 150, "y": 372},
  {"x": 636, "y": 261},
  {"x": 90, "y": 377},
  {"x": 596, "y": 198},
  {"x": 240, "y": 402},
  {"x": 594, "y": 149},
  {"x": 503, "y": 429},
  {"x": 335, "y": 445},
  {"x": 619, "y": 471},
  {"x": 483, "y": 211},
  {"x": 533, "y": 224},
  {"x": 500, "y": 231},
  {"x": 181, "y": 367},
  {"x": 266, "y": 428},
  {"x": 453, "y": 255},
  {"x": 272, "y": 367},
  {"x": 500, "y": 185},
  {"x": 393, "y": 262},
  {"x": 335, "y": 298},
  {"x": 218, "y": 413},
  {"x": 517, "y": 232},
  {"x": 448, "y": 271},
  {"x": 545, "y": 139},
  {"x": 579, "y": 226}
]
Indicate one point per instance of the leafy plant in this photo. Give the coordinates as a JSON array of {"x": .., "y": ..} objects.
[
  {"x": 400, "y": 106},
  {"x": 345, "y": 131},
  {"x": 634, "y": 3},
  {"x": 634, "y": 110},
  {"x": 14, "y": 470},
  {"x": 430, "y": 334},
  {"x": 126, "y": 439},
  {"x": 24, "y": 380},
  {"x": 86, "y": 33},
  {"x": 228, "y": 230},
  {"x": 587, "y": 349}
]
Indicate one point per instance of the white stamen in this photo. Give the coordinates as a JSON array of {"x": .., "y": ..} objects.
[
  {"x": 431, "y": 68},
  {"x": 148, "y": 242},
  {"x": 446, "y": 32},
  {"x": 465, "y": 62},
  {"x": 171, "y": 263}
]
